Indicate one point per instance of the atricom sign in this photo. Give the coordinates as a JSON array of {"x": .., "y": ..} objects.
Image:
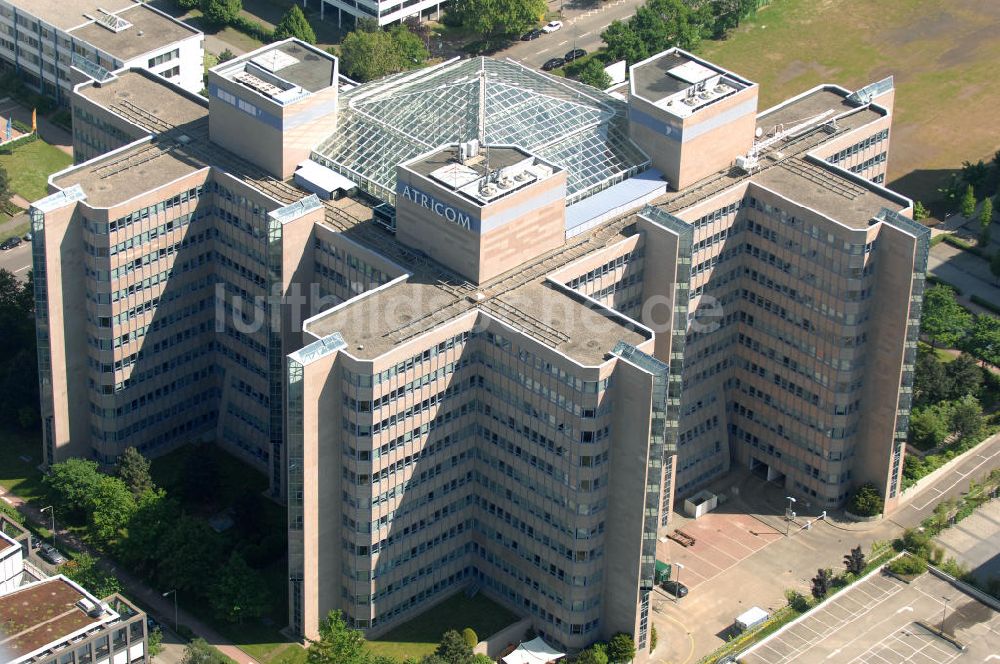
[{"x": 418, "y": 197}]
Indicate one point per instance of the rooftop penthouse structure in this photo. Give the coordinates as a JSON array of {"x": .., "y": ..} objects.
[{"x": 491, "y": 322}]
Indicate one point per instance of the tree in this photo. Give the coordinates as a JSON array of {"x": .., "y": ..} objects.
[
  {"x": 480, "y": 658},
  {"x": 985, "y": 220},
  {"x": 337, "y": 644},
  {"x": 943, "y": 318},
  {"x": 968, "y": 202},
  {"x": 83, "y": 570},
  {"x": 221, "y": 12},
  {"x": 498, "y": 18},
  {"x": 111, "y": 507},
  {"x": 624, "y": 43},
  {"x": 975, "y": 174},
  {"x": 200, "y": 652},
  {"x": 133, "y": 469},
  {"x": 155, "y": 514},
  {"x": 983, "y": 339},
  {"x": 854, "y": 562},
  {"x": 366, "y": 56},
  {"x": 963, "y": 376},
  {"x": 294, "y": 24},
  {"x": 226, "y": 56},
  {"x": 237, "y": 594},
  {"x": 621, "y": 648},
  {"x": 72, "y": 483},
  {"x": 931, "y": 381},
  {"x": 919, "y": 211},
  {"x": 593, "y": 74},
  {"x": 821, "y": 583},
  {"x": 929, "y": 426},
  {"x": 967, "y": 417},
  {"x": 411, "y": 48},
  {"x": 189, "y": 552},
  {"x": 155, "y": 641},
  {"x": 995, "y": 266},
  {"x": 866, "y": 501},
  {"x": 470, "y": 637},
  {"x": 201, "y": 474},
  {"x": 189, "y": 4},
  {"x": 453, "y": 648}
]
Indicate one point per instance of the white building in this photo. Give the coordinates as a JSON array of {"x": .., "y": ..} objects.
[
  {"x": 42, "y": 39},
  {"x": 383, "y": 11}
]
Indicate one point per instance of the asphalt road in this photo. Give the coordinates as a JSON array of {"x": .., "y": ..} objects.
[
  {"x": 17, "y": 260},
  {"x": 583, "y": 22}
]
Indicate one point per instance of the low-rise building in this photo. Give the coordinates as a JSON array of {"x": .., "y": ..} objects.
[{"x": 42, "y": 40}]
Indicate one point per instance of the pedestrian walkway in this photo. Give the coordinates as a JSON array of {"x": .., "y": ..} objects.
[{"x": 132, "y": 587}]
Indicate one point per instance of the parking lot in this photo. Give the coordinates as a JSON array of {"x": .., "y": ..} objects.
[{"x": 876, "y": 622}]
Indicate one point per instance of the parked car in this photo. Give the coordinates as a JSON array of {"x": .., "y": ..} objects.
[
  {"x": 151, "y": 623},
  {"x": 574, "y": 54},
  {"x": 674, "y": 588},
  {"x": 553, "y": 63},
  {"x": 552, "y": 26},
  {"x": 26, "y": 237},
  {"x": 10, "y": 243},
  {"x": 531, "y": 34},
  {"x": 51, "y": 554}
]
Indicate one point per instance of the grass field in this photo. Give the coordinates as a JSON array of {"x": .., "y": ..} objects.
[
  {"x": 30, "y": 166},
  {"x": 942, "y": 53},
  {"x": 20, "y": 454},
  {"x": 420, "y": 636}
]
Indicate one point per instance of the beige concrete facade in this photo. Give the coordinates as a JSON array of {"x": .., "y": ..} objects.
[{"x": 473, "y": 396}]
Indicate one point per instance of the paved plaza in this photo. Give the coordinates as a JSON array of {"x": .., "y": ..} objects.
[{"x": 878, "y": 621}]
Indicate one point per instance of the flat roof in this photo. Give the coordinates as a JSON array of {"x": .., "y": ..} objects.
[
  {"x": 291, "y": 61},
  {"x": 150, "y": 30},
  {"x": 797, "y": 109},
  {"x": 652, "y": 80},
  {"x": 66, "y": 14},
  {"x": 816, "y": 187},
  {"x": 39, "y": 614},
  {"x": 151, "y": 93}
]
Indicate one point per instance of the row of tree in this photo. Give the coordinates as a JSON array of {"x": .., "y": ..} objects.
[
  {"x": 127, "y": 516},
  {"x": 19, "y": 361},
  {"x": 369, "y": 52},
  {"x": 945, "y": 322},
  {"x": 662, "y": 24}
]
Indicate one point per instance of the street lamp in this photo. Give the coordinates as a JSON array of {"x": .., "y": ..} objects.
[
  {"x": 52, "y": 511},
  {"x": 788, "y": 514},
  {"x": 679, "y": 567},
  {"x": 944, "y": 612},
  {"x": 174, "y": 591}
]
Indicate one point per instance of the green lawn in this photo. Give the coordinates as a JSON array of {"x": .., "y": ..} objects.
[
  {"x": 17, "y": 475},
  {"x": 942, "y": 58},
  {"x": 17, "y": 230},
  {"x": 420, "y": 636},
  {"x": 30, "y": 166}
]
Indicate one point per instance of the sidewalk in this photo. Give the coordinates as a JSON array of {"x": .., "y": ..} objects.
[{"x": 160, "y": 607}]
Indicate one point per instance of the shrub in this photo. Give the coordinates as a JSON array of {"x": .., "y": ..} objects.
[
  {"x": 866, "y": 501},
  {"x": 797, "y": 601},
  {"x": 470, "y": 637},
  {"x": 621, "y": 648},
  {"x": 908, "y": 566},
  {"x": 653, "y": 638}
]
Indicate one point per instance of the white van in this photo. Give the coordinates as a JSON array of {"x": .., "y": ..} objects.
[{"x": 751, "y": 618}]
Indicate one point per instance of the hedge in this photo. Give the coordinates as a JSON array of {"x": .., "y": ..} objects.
[
  {"x": 986, "y": 304},
  {"x": 938, "y": 281},
  {"x": 252, "y": 29}
]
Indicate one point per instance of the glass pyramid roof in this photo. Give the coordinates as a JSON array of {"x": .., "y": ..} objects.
[{"x": 392, "y": 120}]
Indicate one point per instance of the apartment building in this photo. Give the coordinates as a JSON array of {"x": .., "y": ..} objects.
[
  {"x": 50, "y": 620},
  {"x": 43, "y": 40},
  {"x": 384, "y": 11},
  {"x": 479, "y": 324}
]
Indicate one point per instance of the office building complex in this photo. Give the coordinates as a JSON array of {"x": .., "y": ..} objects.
[
  {"x": 43, "y": 40},
  {"x": 480, "y": 324},
  {"x": 383, "y": 11},
  {"x": 52, "y": 620}
]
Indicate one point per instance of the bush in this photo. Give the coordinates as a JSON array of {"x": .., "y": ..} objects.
[
  {"x": 797, "y": 601},
  {"x": 21, "y": 127},
  {"x": 908, "y": 566},
  {"x": 866, "y": 501},
  {"x": 251, "y": 28},
  {"x": 470, "y": 637}
]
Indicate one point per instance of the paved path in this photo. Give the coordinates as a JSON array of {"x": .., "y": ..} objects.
[
  {"x": 159, "y": 607},
  {"x": 975, "y": 542}
]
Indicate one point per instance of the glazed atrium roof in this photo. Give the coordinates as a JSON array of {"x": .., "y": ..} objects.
[{"x": 499, "y": 102}]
